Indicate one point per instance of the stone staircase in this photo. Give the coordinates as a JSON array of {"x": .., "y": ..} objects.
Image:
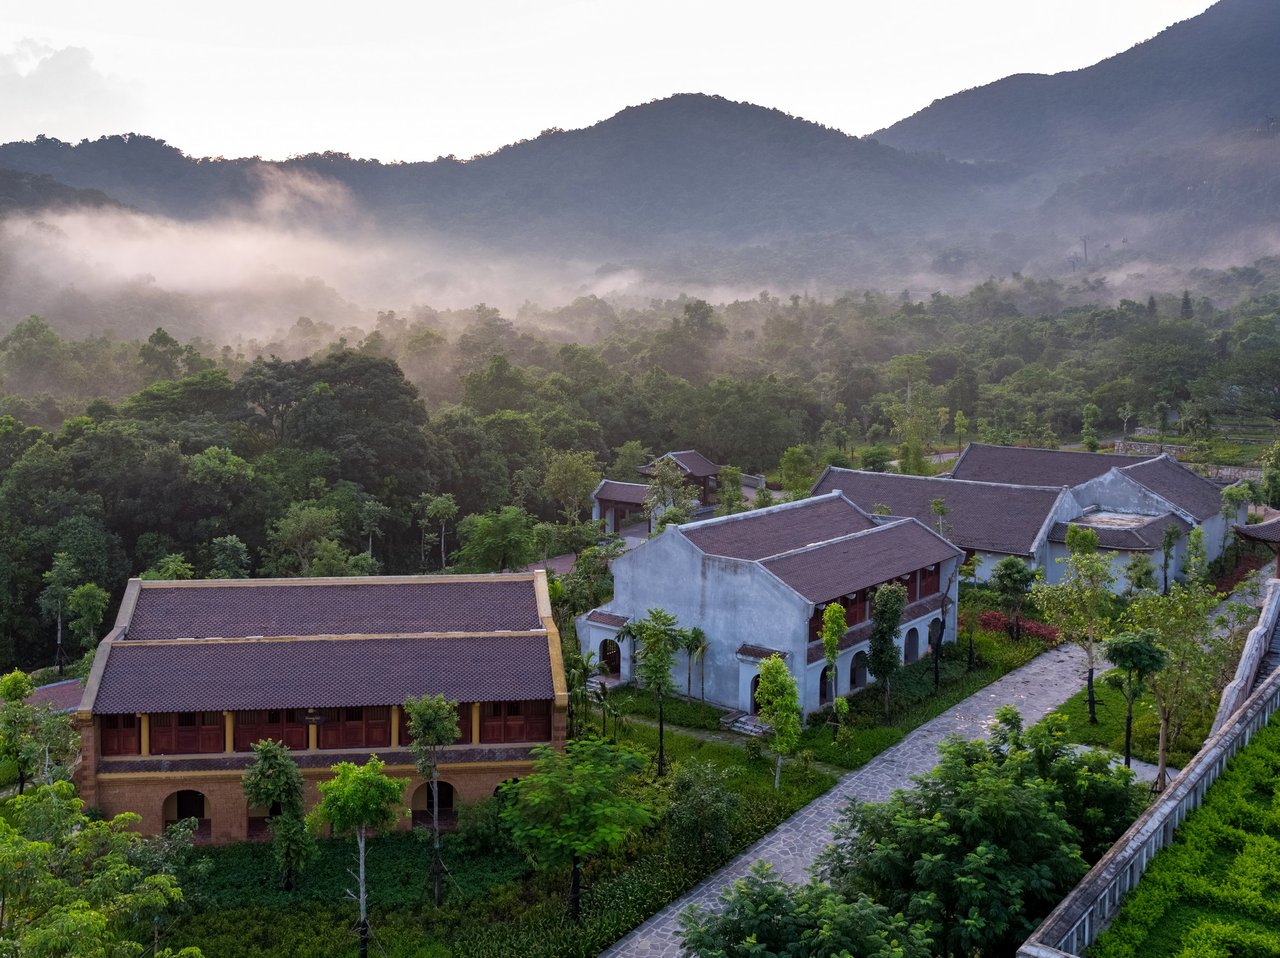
[{"x": 745, "y": 724}]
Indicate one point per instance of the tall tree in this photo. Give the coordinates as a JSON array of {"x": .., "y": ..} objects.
[
  {"x": 572, "y": 807},
  {"x": 569, "y": 480},
  {"x": 359, "y": 800},
  {"x": 1182, "y": 621},
  {"x": 658, "y": 637},
  {"x": 1078, "y": 604},
  {"x": 373, "y": 516},
  {"x": 1137, "y": 656},
  {"x": 984, "y": 845},
  {"x": 76, "y": 885},
  {"x": 442, "y": 510},
  {"x": 797, "y": 470},
  {"x": 885, "y": 658},
  {"x": 32, "y": 736},
  {"x": 496, "y": 540},
  {"x": 433, "y": 724},
  {"x": 86, "y": 605},
  {"x": 668, "y": 498},
  {"x": 1168, "y": 542},
  {"x": 834, "y": 626},
  {"x": 779, "y": 701},
  {"x": 274, "y": 782},
  {"x": 732, "y": 499},
  {"x": 59, "y": 582},
  {"x": 1012, "y": 579}
]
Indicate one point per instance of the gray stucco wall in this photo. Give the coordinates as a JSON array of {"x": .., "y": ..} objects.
[{"x": 732, "y": 601}]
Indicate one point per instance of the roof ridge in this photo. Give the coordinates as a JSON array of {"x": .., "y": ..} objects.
[
  {"x": 944, "y": 479},
  {"x": 897, "y": 521},
  {"x": 337, "y": 580},
  {"x": 767, "y": 510}
]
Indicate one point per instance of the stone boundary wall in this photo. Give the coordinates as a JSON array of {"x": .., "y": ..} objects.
[
  {"x": 1089, "y": 907},
  {"x": 1255, "y": 648},
  {"x": 1127, "y": 447}
]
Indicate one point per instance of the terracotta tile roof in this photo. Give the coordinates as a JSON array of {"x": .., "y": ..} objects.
[
  {"x": 1179, "y": 485},
  {"x": 1261, "y": 531},
  {"x": 356, "y": 606},
  {"x": 1140, "y": 538},
  {"x": 304, "y": 673},
  {"x": 1034, "y": 467},
  {"x": 631, "y": 493},
  {"x": 691, "y": 461},
  {"x": 759, "y": 652},
  {"x": 607, "y": 618},
  {"x": 777, "y": 529},
  {"x": 61, "y": 696},
  {"x": 990, "y": 517},
  {"x": 843, "y": 566}
]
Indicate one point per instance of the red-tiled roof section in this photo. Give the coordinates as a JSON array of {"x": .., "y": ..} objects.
[
  {"x": 1262, "y": 531},
  {"x": 1144, "y": 538},
  {"x": 989, "y": 517},
  {"x": 1179, "y": 485},
  {"x": 1034, "y": 467},
  {"x": 631, "y": 493},
  {"x": 846, "y": 565},
  {"x": 60, "y": 696},
  {"x": 351, "y": 607},
  {"x": 749, "y": 651},
  {"x": 321, "y": 673},
  {"x": 607, "y": 618},
  {"x": 695, "y": 463},
  {"x": 778, "y": 529}
]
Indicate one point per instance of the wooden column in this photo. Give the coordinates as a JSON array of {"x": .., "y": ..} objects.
[
  {"x": 229, "y": 731},
  {"x": 475, "y": 723},
  {"x": 313, "y": 737},
  {"x": 144, "y": 733},
  {"x": 395, "y": 726}
]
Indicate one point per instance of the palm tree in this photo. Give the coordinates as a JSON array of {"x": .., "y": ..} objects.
[
  {"x": 695, "y": 646},
  {"x": 578, "y": 674}
]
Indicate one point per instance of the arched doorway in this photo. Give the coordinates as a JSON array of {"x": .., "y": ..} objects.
[
  {"x": 825, "y": 681},
  {"x": 611, "y": 656},
  {"x": 185, "y": 804},
  {"x": 911, "y": 647},
  {"x": 755, "y": 685},
  {"x": 858, "y": 674},
  {"x": 258, "y": 828},
  {"x": 420, "y": 806},
  {"x": 935, "y": 634}
]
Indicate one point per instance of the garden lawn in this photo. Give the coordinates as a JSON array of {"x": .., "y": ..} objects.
[
  {"x": 686, "y": 713},
  {"x": 497, "y": 904},
  {"x": 1215, "y": 892},
  {"x": 1109, "y": 732},
  {"x": 914, "y": 700}
]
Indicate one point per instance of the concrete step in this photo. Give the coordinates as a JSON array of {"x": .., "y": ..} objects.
[{"x": 750, "y": 725}]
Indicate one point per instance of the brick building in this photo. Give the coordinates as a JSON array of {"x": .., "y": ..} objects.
[{"x": 195, "y": 672}]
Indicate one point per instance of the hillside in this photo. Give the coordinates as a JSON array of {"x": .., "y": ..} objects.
[
  {"x": 1205, "y": 77},
  {"x": 31, "y": 191},
  {"x": 690, "y": 168}
]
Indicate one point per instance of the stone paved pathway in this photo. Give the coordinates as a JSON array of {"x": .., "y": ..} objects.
[{"x": 1036, "y": 689}]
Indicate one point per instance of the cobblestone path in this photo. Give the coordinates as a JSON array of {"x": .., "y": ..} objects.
[{"x": 1036, "y": 689}]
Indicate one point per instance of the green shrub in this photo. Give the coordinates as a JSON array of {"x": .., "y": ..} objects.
[{"x": 1216, "y": 890}]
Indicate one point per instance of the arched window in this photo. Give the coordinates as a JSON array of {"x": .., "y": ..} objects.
[
  {"x": 420, "y": 806},
  {"x": 858, "y": 674},
  {"x": 911, "y": 647},
  {"x": 185, "y": 804}
]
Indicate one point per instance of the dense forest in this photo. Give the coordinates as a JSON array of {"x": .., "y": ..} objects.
[{"x": 330, "y": 451}]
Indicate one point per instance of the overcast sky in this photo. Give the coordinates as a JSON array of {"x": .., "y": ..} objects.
[{"x": 415, "y": 80}]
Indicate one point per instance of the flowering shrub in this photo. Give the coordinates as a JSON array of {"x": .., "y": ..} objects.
[{"x": 999, "y": 622}]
